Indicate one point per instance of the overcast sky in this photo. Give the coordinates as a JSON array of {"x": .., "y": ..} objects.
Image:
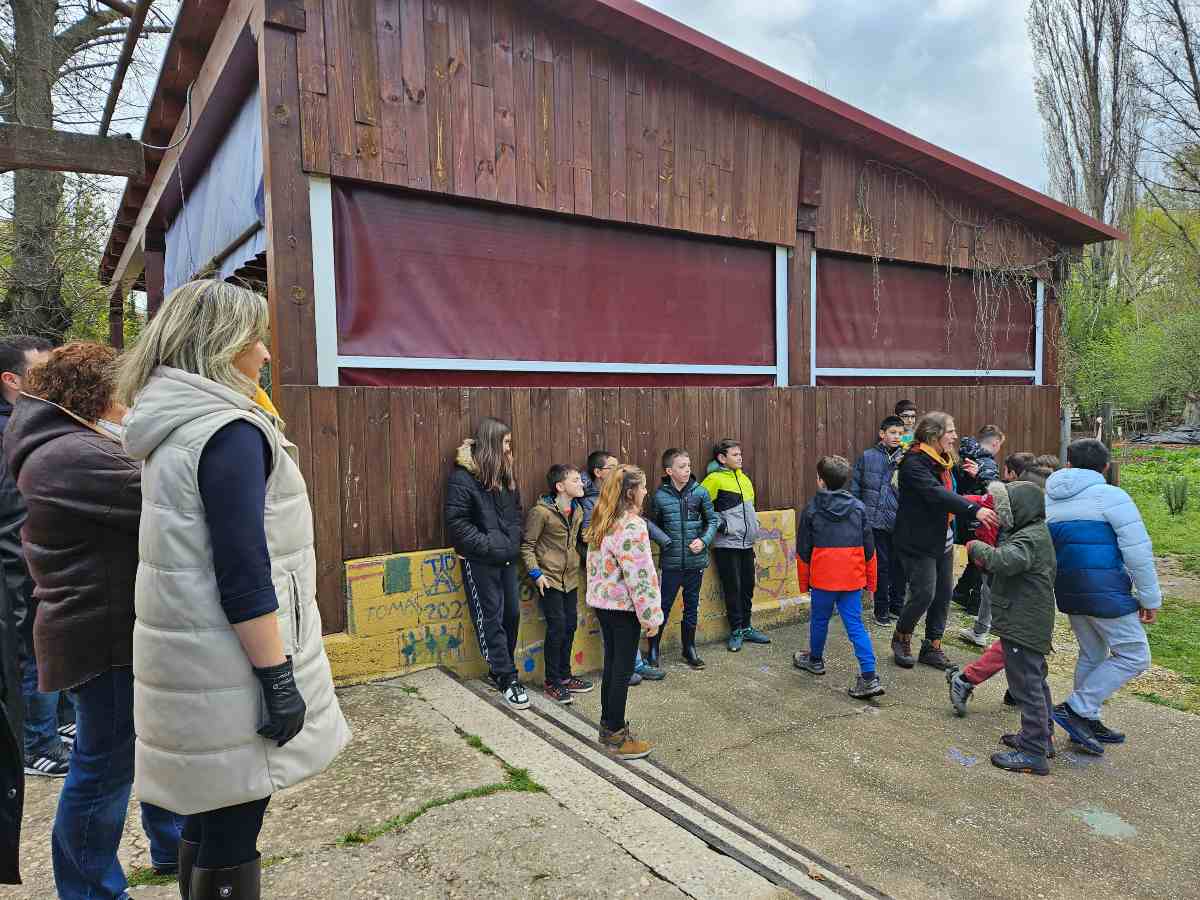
[{"x": 957, "y": 73}]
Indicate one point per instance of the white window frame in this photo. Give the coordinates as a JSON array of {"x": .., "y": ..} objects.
[
  {"x": 330, "y": 362},
  {"x": 835, "y": 372}
]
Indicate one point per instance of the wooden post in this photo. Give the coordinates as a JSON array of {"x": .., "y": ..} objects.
[
  {"x": 1107, "y": 432},
  {"x": 1064, "y": 432},
  {"x": 290, "y": 289},
  {"x": 116, "y": 320},
  {"x": 23, "y": 147},
  {"x": 154, "y": 260}
]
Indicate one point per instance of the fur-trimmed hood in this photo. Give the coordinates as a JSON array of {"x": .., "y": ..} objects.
[
  {"x": 465, "y": 456},
  {"x": 1001, "y": 503}
]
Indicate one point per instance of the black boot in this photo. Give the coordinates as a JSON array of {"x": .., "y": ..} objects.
[
  {"x": 187, "y": 860},
  {"x": 689, "y": 647},
  {"x": 652, "y": 650},
  {"x": 242, "y": 882}
]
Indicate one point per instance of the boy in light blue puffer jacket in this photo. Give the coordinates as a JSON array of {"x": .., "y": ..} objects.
[{"x": 1106, "y": 583}]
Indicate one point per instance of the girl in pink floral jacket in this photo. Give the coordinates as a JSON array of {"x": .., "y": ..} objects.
[{"x": 622, "y": 586}]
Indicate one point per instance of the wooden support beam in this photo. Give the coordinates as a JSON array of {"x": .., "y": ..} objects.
[
  {"x": 22, "y": 147},
  {"x": 116, "y": 320},
  {"x": 132, "y": 32},
  {"x": 237, "y": 16},
  {"x": 154, "y": 254}
]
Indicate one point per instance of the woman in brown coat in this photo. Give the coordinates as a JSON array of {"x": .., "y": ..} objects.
[{"x": 84, "y": 498}]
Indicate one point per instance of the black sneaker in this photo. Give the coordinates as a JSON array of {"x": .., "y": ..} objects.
[
  {"x": 805, "y": 661},
  {"x": 1009, "y": 699},
  {"x": 1010, "y": 740},
  {"x": 884, "y": 621},
  {"x": 1021, "y": 761},
  {"x": 1078, "y": 729},
  {"x": 865, "y": 688},
  {"x": 54, "y": 764},
  {"x": 515, "y": 696},
  {"x": 1104, "y": 734},
  {"x": 67, "y": 733}
]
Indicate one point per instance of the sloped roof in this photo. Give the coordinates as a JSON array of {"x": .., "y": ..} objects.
[{"x": 663, "y": 38}]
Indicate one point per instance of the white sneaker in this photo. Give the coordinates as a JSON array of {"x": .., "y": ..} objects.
[
  {"x": 515, "y": 696},
  {"x": 971, "y": 636}
]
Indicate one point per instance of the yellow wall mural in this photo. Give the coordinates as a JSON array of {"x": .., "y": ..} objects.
[{"x": 407, "y": 611}]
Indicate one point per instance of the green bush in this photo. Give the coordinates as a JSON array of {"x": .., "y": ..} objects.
[{"x": 1175, "y": 492}]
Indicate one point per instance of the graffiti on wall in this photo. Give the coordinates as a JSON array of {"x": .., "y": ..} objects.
[{"x": 418, "y": 597}]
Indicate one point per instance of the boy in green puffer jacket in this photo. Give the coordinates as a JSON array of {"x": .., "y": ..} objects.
[
  {"x": 684, "y": 511},
  {"x": 1022, "y": 567},
  {"x": 732, "y": 495}
]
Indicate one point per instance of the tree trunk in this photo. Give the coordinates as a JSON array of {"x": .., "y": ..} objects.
[
  {"x": 34, "y": 303},
  {"x": 1191, "y": 410}
]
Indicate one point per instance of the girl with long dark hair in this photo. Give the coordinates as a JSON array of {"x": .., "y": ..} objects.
[{"x": 483, "y": 520}]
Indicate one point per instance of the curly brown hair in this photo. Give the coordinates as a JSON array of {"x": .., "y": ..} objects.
[{"x": 78, "y": 377}]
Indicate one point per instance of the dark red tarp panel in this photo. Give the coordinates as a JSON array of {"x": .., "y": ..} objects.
[
  {"x": 877, "y": 381},
  {"x": 913, "y": 319},
  {"x": 443, "y": 378},
  {"x": 419, "y": 277}
]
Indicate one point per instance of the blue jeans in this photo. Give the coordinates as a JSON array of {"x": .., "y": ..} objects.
[
  {"x": 41, "y": 711},
  {"x": 849, "y": 607},
  {"x": 95, "y": 796}
]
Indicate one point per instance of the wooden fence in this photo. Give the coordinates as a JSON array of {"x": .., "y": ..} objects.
[{"x": 376, "y": 459}]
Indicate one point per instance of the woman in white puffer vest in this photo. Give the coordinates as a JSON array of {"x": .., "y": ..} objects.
[{"x": 233, "y": 696}]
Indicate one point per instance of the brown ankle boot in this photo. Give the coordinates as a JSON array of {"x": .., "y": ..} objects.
[
  {"x": 902, "y": 650},
  {"x": 242, "y": 882},
  {"x": 932, "y": 655},
  {"x": 623, "y": 744},
  {"x": 187, "y": 860}
]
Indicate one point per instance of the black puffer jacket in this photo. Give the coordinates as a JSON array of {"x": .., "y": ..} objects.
[
  {"x": 925, "y": 503},
  {"x": 872, "y": 484},
  {"x": 482, "y": 525},
  {"x": 988, "y": 470}
]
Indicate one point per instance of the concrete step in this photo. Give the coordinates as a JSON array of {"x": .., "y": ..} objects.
[{"x": 738, "y": 857}]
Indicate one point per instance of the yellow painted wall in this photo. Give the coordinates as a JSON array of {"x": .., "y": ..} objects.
[{"x": 407, "y": 611}]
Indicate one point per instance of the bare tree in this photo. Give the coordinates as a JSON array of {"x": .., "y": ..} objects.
[
  {"x": 1087, "y": 92},
  {"x": 56, "y": 62}
]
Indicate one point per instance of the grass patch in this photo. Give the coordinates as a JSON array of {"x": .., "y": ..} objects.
[
  {"x": 1175, "y": 638},
  {"x": 475, "y": 742},
  {"x": 144, "y": 875},
  {"x": 1143, "y": 473},
  {"x": 516, "y": 781},
  {"x": 1160, "y": 700}
]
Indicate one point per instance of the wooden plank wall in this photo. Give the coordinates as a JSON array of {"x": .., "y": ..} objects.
[
  {"x": 913, "y": 224},
  {"x": 376, "y": 459},
  {"x": 492, "y": 99}
]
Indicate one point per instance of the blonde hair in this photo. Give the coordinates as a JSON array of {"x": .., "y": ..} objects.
[
  {"x": 201, "y": 328},
  {"x": 616, "y": 499}
]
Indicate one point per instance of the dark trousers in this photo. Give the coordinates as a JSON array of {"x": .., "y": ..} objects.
[
  {"x": 621, "y": 631},
  {"x": 966, "y": 592},
  {"x": 735, "y": 568},
  {"x": 228, "y": 836},
  {"x": 496, "y": 611},
  {"x": 889, "y": 592},
  {"x": 561, "y": 618},
  {"x": 930, "y": 581},
  {"x": 1026, "y": 673},
  {"x": 672, "y": 581}
]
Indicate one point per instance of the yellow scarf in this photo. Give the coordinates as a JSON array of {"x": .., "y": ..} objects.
[
  {"x": 264, "y": 401},
  {"x": 947, "y": 463}
]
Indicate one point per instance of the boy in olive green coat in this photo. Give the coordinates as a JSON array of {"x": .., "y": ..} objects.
[{"x": 1022, "y": 568}]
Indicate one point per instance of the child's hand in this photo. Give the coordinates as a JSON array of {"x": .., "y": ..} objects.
[
  {"x": 542, "y": 583},
  {"x": 650, "y": 631},
  {"x": 987, "y": 516},
  {"x": 1147, "y": 616},
  {"x": 696, "y": 546},
  {"x": 970, "y": 467}
]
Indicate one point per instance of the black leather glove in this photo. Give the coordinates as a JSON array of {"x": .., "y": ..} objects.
[{"x": 285, "y": 706}]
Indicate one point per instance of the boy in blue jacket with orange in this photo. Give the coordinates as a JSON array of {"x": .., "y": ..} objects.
[{"x": 835, "y": 559}]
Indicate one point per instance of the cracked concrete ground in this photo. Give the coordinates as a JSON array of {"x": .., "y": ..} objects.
[
  {"x": 902, "y": 791},
  {"x": 404, "y": 755}
]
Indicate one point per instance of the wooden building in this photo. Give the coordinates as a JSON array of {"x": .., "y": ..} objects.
[{"x": 588, "y": 219}]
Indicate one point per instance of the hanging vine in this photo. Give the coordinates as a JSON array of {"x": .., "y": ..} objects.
[{"x": 995, "y": 251}]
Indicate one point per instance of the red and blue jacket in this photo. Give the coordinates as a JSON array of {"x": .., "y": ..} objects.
[{"x": 835, "y": 545}]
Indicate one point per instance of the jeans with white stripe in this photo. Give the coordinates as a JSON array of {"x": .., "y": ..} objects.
[{"x": 495, "y": 606}]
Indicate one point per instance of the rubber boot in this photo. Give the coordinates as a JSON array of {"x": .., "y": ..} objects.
[
  {"x": 689, "y": 647},
  {"x": 242, "y": 882},
  {"x": 187, "y": 860},
  {"x": 652, "y": 650}
]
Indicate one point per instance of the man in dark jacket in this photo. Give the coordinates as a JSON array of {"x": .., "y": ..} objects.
[
  {"x": 685, "y": 512},
  {"x": 872, "y": 486},
  {"x": 37, "y": 720},
  {"x": 1022, "y": 569},
  {"x": 12, "y": 757}
]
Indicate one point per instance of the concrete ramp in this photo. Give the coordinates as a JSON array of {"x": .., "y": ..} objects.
[{"x": 699, "y": 844}]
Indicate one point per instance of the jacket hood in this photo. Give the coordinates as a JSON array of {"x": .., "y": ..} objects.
[
  {"x": 1066, "y": 483},
  {"x": 173, "y": 398},
  {"x": 836, "y": 505},
  {"x": 591, "y": 487},
  {"x": 465, "y": 456},
  {"x": 35, "y": 423},
  {"x": 713, "y": 466},
  {"x": 1028, "y": 504},
  {"x": 998, "y": 491}
]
